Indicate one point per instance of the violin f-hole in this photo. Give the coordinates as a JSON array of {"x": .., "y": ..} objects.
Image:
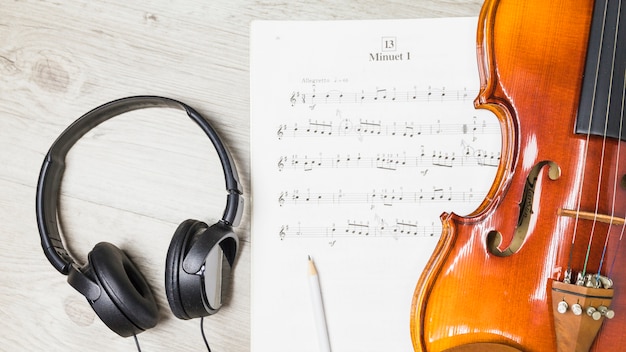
[{"x": 494, "y": 238}]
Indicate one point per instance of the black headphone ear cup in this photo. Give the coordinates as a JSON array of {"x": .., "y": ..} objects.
[
  {"x": 181, "y": 240},
  {"x": 198, "y": 268},
  {"x": 126, "y": 304}
]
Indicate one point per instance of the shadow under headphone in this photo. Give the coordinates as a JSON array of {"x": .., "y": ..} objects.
[{"x": 199, "y": 257}]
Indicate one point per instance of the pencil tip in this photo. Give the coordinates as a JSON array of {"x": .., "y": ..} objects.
[
  {"x": 309, "y": 256},
  {"x": 312, "y": 268}
]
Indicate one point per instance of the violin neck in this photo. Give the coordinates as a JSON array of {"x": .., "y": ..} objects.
[{"x": 602, "y": 100}]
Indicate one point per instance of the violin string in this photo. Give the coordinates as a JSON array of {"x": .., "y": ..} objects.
[
  {"x": 586, "y": 152},
  {"x": 602, "y": 158},
  {"x": 610, "y": 270},
  {"x": 598, "y": 189},
  {"x": 615, "y": 188},
  {"x": 619, "y": 144}
]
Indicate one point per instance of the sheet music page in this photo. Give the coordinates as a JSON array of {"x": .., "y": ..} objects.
[{"x": 362, "y": 134}]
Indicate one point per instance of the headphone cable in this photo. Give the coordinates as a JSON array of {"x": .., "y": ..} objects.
[
  {"x": 137, "y": 343},
  {"x": 206, "y": 342},
  {"x": 203, "y": 335}
]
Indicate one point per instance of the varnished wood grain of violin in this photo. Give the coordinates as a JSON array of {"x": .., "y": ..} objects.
[{"x": 531, "y": 61}]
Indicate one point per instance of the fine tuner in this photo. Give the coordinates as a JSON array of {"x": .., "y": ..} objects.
[{"x": 593, "y": 312}]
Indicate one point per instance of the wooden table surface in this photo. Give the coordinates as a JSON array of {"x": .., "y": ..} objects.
[{"x": 132, "y": 180}]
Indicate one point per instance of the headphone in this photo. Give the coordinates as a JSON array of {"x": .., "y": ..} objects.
[{"x": 199, "y": 258}]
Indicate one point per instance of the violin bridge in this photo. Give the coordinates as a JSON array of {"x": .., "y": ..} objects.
[{"x": 579, "y": 312}]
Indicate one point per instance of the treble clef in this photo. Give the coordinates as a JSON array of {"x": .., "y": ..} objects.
[
  {"x": 283, "y": 231},
  {"x": 281, "y": 198},
  {"x": 293, "y": 99},
  {"x": 280, "y": 131},
  {"x": 281, "y": 163}
]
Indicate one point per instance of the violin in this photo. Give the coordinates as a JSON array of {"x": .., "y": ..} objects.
[{"x": 540, "y": 265}]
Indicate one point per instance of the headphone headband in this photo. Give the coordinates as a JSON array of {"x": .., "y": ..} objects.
[{"x": 53, "y": 167}]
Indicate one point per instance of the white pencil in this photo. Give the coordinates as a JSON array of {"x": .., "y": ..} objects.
[{"x": 318, "y": 308}]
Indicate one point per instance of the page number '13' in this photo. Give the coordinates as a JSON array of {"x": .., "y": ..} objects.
[{"x": 389, "y": 43}]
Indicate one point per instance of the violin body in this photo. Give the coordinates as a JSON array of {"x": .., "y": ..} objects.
[{"x": 557, "y": 201}]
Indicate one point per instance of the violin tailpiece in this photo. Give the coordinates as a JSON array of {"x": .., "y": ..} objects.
[{"x": 579, "y": 312}]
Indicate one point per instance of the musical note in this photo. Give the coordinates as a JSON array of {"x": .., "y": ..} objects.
[
  {"x": 404, "y": 227},
  {"x": 320, "y": 127},
  {"x": 488, "y": 158},
  {"x": 381, "y": 94},
  {"x": 390, "y": 162},
  {"x": 371, "y": 127},
  {"x": 443, "y": 159},
  {"x": 308, "y": 165},
  {"x": 408, "y": 130},
  {"x": 333, "y": 96},
  {"x": 361, "y": 229},
  {"x": 438, "y": 194}
]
